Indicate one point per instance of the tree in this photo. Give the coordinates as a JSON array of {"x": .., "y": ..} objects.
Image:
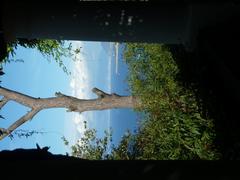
[
  {"x": 173, "y": 125},
  {"x": 104, "y": 101},
  {"x": 91, "y": 147}
]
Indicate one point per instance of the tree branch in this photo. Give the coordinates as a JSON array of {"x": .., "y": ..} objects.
[
  {"x": 3, "y": 101},
  {"x": 99, "y": 93},
  {"x": 102, "y": 94},
  {"x": 18, "y": 97},
  {"x": 104, "y": 101},
  {"x": 3, "y": 130},
  {"x": 22, "y": 120},
  {"x": 59, "y": 94}
]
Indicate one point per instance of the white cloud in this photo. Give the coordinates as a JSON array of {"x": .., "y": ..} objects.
[
  {"x": 80, "y": 86},
  {"x": 80, "y": 129},
  {"x": 110, "y": 59},
  {"x": 72, "y": 83},
  {"x": 77, "y": 119}
]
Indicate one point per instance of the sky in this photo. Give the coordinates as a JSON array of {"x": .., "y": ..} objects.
[{"x": 93, "y": 67}]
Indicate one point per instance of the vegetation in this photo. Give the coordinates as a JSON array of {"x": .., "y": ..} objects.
[
  {"x": 47, "y": 47},
  {"x": 96, "y": 148},
  {"x": 173, "y": 125}
]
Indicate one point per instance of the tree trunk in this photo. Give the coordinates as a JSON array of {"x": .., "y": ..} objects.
[{"x": 104, "y": 101}]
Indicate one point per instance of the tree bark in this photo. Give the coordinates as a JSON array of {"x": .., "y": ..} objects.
[{"x": 104, "y": 101}]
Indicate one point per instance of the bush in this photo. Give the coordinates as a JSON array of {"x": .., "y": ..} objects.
[{"x": 174, "y": 127}]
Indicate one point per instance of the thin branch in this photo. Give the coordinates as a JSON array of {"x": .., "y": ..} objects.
[
  {"x": 3, "y": 101},
  {"x": 102, "y": 94},
  {"x": 18, "y": 97},
  {"x": 59, "y": 94},
  {"x": 19, "y": 122},
  {"x": 3, "y": 131},
  {"x": 99, "y": 93}
]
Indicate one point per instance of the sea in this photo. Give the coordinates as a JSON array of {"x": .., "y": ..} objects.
[{"x": 124, "y": 119}]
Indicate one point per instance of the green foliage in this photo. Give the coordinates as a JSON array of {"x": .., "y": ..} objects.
[
  {"x": 47, "y": 47},
  {"x": 91, "y": 147},
  {"x": 101, "y": 148},
  {"x": 125, "y": 149},
  {"x": 172, "y": 127},
  {"x": 65, "y": 141}
]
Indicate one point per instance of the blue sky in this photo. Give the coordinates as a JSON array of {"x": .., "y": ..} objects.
[{"x": 93, "y": 67}]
